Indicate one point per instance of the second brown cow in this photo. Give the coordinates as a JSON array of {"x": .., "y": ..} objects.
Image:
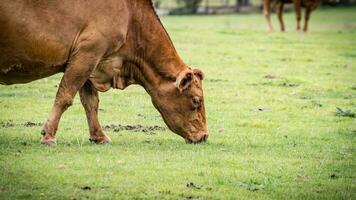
[{"x": 309, "y": 5}]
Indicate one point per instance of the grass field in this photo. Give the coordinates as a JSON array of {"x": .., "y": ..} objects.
[{"x": 271, "y": 100}]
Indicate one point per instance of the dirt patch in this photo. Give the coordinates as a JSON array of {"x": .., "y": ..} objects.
[
  {"x": 6, "y": 124},
  {"x": 193, "y": 186},
  {"x": 134, "y": 128},
  {"x": 286, "y": 59},
  {"x": 25, "y": 144},
  {"x": 316, "y": 104},
  {"x": 260, "y": 110},
  {"x": 10, "y": 123},
  {"x": 86, "y": 188},
  {"x": 334, "y": 176},
  {"x": 305, "y": 97},
  {"x": 269, "y": 76},
  {"x": 31, "y": 124},
  {"x": 191, "y": 198},
  {"x": 216, "y": 80},
  {"x": 2, "y": 189},
  {"x": 275, "y": 81},
  {"x": 288, "y": 84}
]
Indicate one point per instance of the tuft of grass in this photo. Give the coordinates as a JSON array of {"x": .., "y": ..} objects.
[
  {"x": 251, "y": 186},
  {"x": 345, "y": 113}
]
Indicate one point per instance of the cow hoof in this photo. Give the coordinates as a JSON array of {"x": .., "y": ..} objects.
[
  {"x": 49, "y": 142},
  {"x": 101, "y": 140}
]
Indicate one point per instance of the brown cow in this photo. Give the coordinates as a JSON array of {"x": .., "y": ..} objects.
[
  {"x": 310, "y": 5},
  {"x": 99, "y": 44}
]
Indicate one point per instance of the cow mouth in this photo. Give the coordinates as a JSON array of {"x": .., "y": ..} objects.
[{"x": 203, "y": 139}]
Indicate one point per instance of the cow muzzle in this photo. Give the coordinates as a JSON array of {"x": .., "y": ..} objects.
[{"x": 203, "y": 137}]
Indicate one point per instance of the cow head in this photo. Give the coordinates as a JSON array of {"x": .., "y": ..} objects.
[{"x": 181, "y": 104}]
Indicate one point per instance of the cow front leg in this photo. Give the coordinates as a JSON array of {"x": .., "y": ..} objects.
[
  {"x": 298, "y": 14},
  {"x": 85, "y": 57},
  {"x": 280, "y": 6},
  {"x": 267, "y": 14},
  {"x": 90, "y": 101},
  {"x": 306, "y": 18}
]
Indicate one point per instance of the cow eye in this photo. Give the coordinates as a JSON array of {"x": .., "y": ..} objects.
[{"x": 196, "y": 102}]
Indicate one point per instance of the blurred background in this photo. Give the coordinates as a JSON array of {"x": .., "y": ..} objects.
[{"x": 182, "y": 7}]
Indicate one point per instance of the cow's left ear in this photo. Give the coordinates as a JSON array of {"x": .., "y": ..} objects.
[
  {"x": 198, "y": 73},
  {"x": 184, "y": 80}
]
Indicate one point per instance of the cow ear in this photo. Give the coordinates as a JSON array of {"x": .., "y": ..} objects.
[
  {"x": 198, "y": 73},
  {"x": 184, "y": 80}
]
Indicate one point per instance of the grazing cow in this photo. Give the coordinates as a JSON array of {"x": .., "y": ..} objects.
[
  {"x": 99, "y": 44},
  {"x": 310, "y": 5}
]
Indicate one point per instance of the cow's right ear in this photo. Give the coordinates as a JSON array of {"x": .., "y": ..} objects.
[
  {"x": 184, "y": 80},
  {"x": 198, "y": 73}
]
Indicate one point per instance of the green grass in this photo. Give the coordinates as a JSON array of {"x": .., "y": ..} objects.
[{"x": 271, "y": 100}]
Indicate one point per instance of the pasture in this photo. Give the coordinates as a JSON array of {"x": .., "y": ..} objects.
[{"x": 271, "y": 101}]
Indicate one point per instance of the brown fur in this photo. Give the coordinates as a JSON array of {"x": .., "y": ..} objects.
[
  {"x": 99, "y": 44},
  {"x": 309, "y": 5}
]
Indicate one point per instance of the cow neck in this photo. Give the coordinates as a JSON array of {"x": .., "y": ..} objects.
[{"x": 152, "y": 59}]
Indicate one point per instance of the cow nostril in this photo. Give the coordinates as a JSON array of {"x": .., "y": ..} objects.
[{"x": 205, "y": 137}]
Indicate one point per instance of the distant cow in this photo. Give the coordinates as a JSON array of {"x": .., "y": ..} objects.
[
  {"x": 99, "y": 44},
  {"x": 310, "y": 5}
]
